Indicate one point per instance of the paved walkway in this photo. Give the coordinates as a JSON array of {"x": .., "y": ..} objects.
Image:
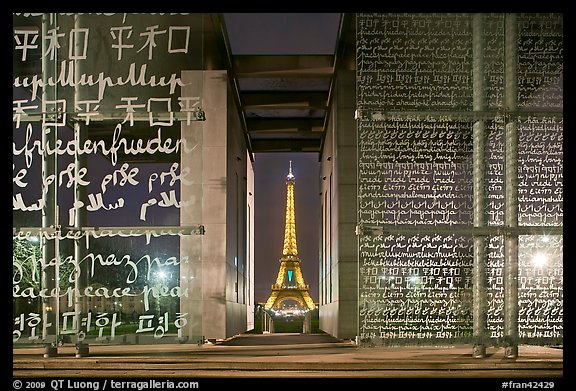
[{"x": 290, "y": 356}]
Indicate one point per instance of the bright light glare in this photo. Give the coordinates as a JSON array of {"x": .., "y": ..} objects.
[{"x": 539, "y": 260}]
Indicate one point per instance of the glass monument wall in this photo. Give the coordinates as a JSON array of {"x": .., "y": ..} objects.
[
  {"x": 107, "y": 136},
  {"x": 460, "y": 178}
]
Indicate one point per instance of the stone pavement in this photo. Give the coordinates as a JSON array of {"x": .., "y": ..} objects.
[{"x": 292, "y": 356}]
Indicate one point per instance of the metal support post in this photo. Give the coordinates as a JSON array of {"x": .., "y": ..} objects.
[
  {"x": 479, "y": 179},
  {"x": 50, "y": 310},
  {"x": 80, "y": 219},
  {"x": 81, "y": 281},
  {"x": 511, "y": 187}
]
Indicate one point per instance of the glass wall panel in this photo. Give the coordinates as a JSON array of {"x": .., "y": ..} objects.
[
  {"x": 107, "y": 178},
  {"x": 460, "y": 179}
]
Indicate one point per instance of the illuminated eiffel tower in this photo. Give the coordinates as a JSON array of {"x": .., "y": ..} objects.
[{"x": 290, "y": 283}]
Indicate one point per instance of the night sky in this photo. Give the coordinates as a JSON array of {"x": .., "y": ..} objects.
[{"x": 270, "y": 170}]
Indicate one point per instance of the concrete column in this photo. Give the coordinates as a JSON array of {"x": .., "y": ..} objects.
[
  {"x": 191, "y": 246},
  {"x": 50, "y": 208},
  {"x": 267, "y": 322},
  {"x": 511, "y": 187},
  {"x": 307, "y": 324},
  {"x": 479, "y": 179}
]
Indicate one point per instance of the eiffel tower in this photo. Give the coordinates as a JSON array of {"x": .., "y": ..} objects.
[{"x": 290, "y": 283}]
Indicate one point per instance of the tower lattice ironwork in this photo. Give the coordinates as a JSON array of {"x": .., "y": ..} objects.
[{"x": 290, "y": 283}]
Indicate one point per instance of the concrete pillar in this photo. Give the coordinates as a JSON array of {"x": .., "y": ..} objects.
[
  {"x": 479, "y": 179},
  {"x": 191, "y": 246},
  {"x": 307, "y": 324},
  {"x": 511, "y": 187},
  {"x": 267, "y": 323}
]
